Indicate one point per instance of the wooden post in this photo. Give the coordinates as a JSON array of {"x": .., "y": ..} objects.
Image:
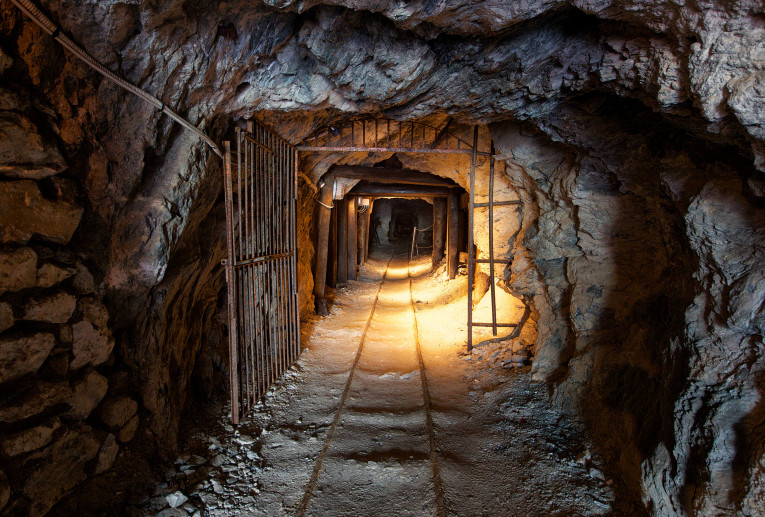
[
  {"x": 452, "y": 246},
  {"x": 322, "y": 246},
  {"x": 439, "y": 225},
  {"x": 342, "y": 241},
  {"x": 367, "y": 235},
  {"x": 363, "y": 223},
  {"x": 332, "y": 259},
  {"x": 352, "y": 237}
]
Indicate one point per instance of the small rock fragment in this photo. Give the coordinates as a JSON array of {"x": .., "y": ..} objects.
[
  {"x": 107, "y": 455},
  {"x": 176, "y": 499}
]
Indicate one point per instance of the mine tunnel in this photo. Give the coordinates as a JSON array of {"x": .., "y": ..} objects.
[{"x": 348, "y": 258}]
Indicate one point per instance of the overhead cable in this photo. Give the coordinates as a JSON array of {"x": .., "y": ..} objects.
[{"x": 45, "y": 23}]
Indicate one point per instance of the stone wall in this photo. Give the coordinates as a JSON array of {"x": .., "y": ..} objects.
[{"x": 65, "y": 410}]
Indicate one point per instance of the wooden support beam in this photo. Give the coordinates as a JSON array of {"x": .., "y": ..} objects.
[
  {"x": 365, "y": 188},
  {"x": 452, "y": 245},
  {"x": 439, "y": 225},
  {"x": 384, "y": 175},
  {"x": 332, "y": 264},
  {"x": 342, "y": 241},
  {"x": 363, "y": 224},
  {"x": 368, "y": 235},
  {"x": 352, "y": 237},
  {"x": 322, "y": 245}
]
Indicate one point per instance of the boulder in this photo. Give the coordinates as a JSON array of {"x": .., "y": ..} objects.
[
  {"x": 23, "y": 151},
  {"x": 39, "y": 399},
  {"x": 22, "y": 355},
  {"x": 88, "y": 392},
  {"x": 57, "y": 308},
  {"x": 128, "y": 432},
  {"x": 115, "y": 412},
  {"x": 25, "y": 213},
  {"x": 18, "y": 269},
  {"x": 29, "y": 440},
  {"x": 49, "y": 275},
  {"x": 6, "y": 316},
  {"x": 108, "y": 454},
  {"x": 57, "y": 469}
]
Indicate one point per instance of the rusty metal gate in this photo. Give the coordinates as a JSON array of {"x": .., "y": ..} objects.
[{"x": 260, "y": 197}]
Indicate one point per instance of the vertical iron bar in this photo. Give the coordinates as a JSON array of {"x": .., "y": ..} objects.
[
  {"x": 491, "y": 242},
  {"x": 231, "y": 287},
  {"x": 471, "y": 251},
  {"x": 363, "y": 133},
  {"x": 282, "y": 181},
  {"x": 376, "y": 127},
  {"x": 293, "y": 260}
]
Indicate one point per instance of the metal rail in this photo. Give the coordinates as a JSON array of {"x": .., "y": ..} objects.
[
  {"x": 308, "y": 494},
  {"x": 261, "y": 240},
  {"x": 310, "y": 487}
]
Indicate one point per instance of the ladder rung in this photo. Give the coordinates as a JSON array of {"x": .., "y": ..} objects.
[
  {"x": 492, "y": 325},
  {"x": 496, "y": 203},
  {"x": 489, "y": 261}
]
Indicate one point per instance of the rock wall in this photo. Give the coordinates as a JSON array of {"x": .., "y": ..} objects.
[
  {"x": 65, "y": 409},
  {"x": 642, "y": 260},
  {"x": 632, "y": 131}
]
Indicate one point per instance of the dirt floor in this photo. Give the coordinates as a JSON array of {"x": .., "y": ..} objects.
[{"x": 385, "y": 414}]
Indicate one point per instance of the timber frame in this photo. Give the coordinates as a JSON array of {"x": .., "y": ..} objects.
[{"x": 392, "y": 136}]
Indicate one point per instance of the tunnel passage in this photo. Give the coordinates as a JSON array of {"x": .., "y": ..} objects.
[{"x": 634, "y": 137}]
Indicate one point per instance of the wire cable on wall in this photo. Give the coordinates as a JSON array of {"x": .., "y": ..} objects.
[{"x": 32, "y": 12}]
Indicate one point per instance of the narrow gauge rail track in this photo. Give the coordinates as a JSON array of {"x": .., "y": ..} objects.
[{"x": 311, "y": 486}]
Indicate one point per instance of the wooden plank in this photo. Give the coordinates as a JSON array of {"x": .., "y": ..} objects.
[
  {"x": 352, "y": 235},
  {"x": 342, "y": 241},
  {"x": 439, "y": 225},
  {"x": 453, "y": 232},
  {"x": 385, "y": 175}
]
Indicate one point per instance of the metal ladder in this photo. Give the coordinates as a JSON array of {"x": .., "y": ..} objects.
[{"x": 472, "y": 260}]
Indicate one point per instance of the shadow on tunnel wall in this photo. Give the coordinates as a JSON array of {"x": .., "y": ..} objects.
[{"x": 653, "y": 385}]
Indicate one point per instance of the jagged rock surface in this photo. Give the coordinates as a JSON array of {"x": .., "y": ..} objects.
[{"x": 640, "y": 241}]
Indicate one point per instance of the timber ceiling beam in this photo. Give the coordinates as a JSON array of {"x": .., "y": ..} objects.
[
  {"x": 371, "y": 189},
  {"x": 384, "y": 175}
]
